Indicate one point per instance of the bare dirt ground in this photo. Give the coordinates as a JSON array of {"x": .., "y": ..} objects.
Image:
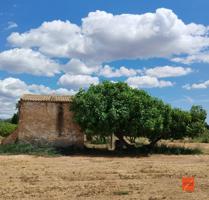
[{"x": 83, "y": 177}]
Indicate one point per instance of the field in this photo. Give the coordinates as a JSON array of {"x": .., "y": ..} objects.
[{"x": 153, "y": 177}]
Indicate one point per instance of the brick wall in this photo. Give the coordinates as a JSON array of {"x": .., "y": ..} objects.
[{"x": 48, "y": 123}]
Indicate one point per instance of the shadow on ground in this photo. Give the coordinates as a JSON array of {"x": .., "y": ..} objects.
[
  {"x": 141, "y": 151},
  {"x": 134, "y": 152}
]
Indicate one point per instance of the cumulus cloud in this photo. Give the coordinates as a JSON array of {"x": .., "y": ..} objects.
[
  {"x": 75, "y": 66},
  {"x": 27, "y": 61},
  {"x": 167, "y": 71},
  {"x": 203, "y": 85},
  {"x": 106, "y": 37},
  {"x": 41, "y": 89},
  {"x": 196, "y": 58},
  {"x": 77, "y": 81},
  {"x": 12, "y": 88},
  {"x": 55, "y": 38},
  {"x": 147, "y": 82},
  {"x": 109, "y": 72}
]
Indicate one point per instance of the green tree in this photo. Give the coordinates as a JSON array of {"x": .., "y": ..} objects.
[
  {"x": 115, "y": 108},
  {"x": 111, "y": 108},
  {"x": 168, "y": 123},
  {"x": 198, "y": 125},
  {"x": 15, "y": 118}
]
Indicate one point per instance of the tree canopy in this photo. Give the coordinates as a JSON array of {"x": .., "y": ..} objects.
[{"x": 115, "y": 108}]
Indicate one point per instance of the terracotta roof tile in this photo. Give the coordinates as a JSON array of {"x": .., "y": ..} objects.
[{"x": 46, "y": 98}]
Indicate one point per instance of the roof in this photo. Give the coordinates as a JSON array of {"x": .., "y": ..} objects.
[{"x": 46, "y": 98}]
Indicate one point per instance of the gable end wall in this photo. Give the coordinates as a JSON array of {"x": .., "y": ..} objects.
[{"x": 48, "y": 123}]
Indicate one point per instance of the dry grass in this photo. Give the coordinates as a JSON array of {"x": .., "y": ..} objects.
[
  {"x": 84, "y": 177},
  {"x": 204, "y": 147}
]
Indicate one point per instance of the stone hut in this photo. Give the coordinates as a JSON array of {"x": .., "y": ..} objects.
[{"x": 47, "y": 120}]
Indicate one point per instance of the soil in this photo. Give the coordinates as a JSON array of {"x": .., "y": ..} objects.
[{"x": 153, "y": 177}]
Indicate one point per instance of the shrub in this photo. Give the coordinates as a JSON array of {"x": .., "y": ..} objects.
[{"x": 6, "y": 128}]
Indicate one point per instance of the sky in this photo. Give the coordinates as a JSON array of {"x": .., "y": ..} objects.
[{"x": 59, "y": 46}]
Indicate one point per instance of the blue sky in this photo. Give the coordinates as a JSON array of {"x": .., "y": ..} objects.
[{"x": 59, "y": 46}]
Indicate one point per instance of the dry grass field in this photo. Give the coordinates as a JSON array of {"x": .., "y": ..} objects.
[{"x": 89, "y": 177}]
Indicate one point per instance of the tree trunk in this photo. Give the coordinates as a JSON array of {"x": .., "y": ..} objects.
[
  {"x": 154, "y": 142},
  {"x": 123, "y": 142}
]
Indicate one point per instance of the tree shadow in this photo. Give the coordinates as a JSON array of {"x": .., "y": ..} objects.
[{"x": 141, "y": 151}]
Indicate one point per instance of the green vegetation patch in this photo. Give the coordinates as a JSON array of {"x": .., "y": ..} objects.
[
  {"x": 204, "y": 138},
  {"x": 6, "y": 128},
  {"x": 15, "y": 149}
]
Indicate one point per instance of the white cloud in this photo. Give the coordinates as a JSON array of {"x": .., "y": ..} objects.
[
  {"x": 11, "y": 25},
  {"x": 106, "y": 37},
  {"x": 75, "y": 66},
  {"x": 109, "y": 72},
  {"x": 186, "y": 86},
  {"x": 203, "y": 85},
  {"x": 147, "y": 82},
  {"x": 41, "y": 89},
  {"x": 55, "y": 38},
  {"x": 27, "y": 61},
  {"x": 167, "y": 71},
  {"x": 77, "y": 81},
  {"x": 8, "y": 107},
  {"x": 12, "y": 88},
  {"x": 195, "y": 58}
]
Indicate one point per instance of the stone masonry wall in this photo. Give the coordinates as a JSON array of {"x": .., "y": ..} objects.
[{"x": 48, "y": 123}]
